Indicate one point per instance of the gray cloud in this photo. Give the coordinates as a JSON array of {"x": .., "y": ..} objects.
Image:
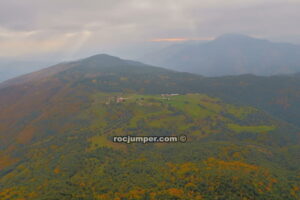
[{"x": 35, "y": 27}]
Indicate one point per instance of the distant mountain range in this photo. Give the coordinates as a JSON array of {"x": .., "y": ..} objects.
[
  {"x": 230, "y": 54},
  {"x": 13, "y": 68}
]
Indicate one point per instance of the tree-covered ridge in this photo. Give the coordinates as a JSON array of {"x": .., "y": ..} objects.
[{"x": 277, "y": 95}]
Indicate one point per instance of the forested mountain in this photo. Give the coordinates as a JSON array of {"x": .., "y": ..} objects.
[
  {"x": 229, "y": 54},
  {"x": 57, "y": 126}
]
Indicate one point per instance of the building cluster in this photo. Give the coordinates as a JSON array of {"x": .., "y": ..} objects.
[{"x": 169, "y": 95}]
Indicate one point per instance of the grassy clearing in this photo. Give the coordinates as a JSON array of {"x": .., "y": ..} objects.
[
  {"x": 255, "y": 129},
  {"x": 195, "y": 114}
]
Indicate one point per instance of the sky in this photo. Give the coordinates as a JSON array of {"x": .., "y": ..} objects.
[{"x": 68, "y": 29}]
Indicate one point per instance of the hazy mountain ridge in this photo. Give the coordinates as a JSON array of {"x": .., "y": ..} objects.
[
  {"x": 12, "y": 68},
  {"x": 230, "y": 54}
]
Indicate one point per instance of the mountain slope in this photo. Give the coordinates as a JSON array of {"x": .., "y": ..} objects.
[
  {"x": 230, "y": 55},
  {"x": 57, "y": 128}
]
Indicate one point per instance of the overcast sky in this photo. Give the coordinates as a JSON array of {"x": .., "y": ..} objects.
[{"x": 70, "y": 28}]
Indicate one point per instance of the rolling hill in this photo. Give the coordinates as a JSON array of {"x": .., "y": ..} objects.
[{"x": 57, "y": 126}]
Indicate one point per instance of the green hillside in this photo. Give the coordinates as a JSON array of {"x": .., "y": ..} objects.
[{"x": 56, "y": 138}]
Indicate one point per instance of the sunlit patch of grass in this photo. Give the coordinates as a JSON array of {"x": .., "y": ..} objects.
[{"x": 254, "y": 129}]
